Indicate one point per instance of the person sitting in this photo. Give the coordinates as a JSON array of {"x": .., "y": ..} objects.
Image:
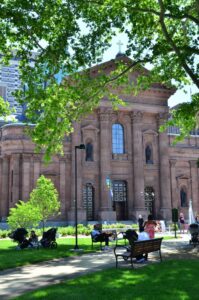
[
  {"x": 99, "y": 236},
  {"x": 143, "y": 236},
  {"x": 33, "y": 239}
]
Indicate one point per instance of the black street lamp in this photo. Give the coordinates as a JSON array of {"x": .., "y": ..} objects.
[{"x": 81, "y": 146}]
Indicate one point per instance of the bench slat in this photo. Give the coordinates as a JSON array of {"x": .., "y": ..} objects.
[{"x": 140, "y": 247}]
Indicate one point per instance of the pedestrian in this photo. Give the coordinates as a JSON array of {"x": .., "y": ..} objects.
[
  {"x": 141, "y": 223},
  {"x": 182, "y": 223}
]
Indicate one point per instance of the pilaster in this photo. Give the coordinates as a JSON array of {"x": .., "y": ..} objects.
[
  {"x": 138, "y": 166},
  {"x": 194, "y": 184},
  {"x": 165, "y": 188}
]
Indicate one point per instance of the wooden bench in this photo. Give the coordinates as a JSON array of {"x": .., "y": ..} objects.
[
  {"x": 138, "y": 248},
  {"x": 112, "y": 238}
]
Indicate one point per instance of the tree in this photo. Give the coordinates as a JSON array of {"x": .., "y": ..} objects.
[
  {"x": 163, "y": 33},
  {"x": 24, "y": 215},
  {"x": 4, "y": 108},
  {"x": 45, "y": 198}
]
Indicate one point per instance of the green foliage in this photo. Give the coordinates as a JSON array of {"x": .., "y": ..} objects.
[
  {"x": 4, "y": 108},
  {"x": 163, "y": 33},
  {"x": 45, "y": 198},
  {"x": 24, "y": 215},
  {"x": 4, "y": 233},
  {"x": 184, "y": 117}
]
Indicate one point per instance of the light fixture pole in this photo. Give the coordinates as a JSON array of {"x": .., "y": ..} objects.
[{"x": 81, "y": 146}]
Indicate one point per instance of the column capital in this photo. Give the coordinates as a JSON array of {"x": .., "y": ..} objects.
[
  {"x": 193, "y": 163},
  {"x": 105, "y": 114},
  {"x": 137, "y": 116},
  {"x": 162, "y": 118},
  {"x": 37, "y": 157},
  {"x": 172, "y": 162},
  {"x": 26, "y": 157}
]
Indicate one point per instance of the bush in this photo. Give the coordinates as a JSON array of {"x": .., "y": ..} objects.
[{"x": 4, "y": 234}]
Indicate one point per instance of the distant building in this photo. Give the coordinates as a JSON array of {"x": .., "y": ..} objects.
[{"x": 127, "y": 169}]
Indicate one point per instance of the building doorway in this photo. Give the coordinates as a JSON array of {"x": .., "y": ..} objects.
[
  {"x": 149, "y": 199},
  {"x": 120, "y": 199},
  {"x": 88, "y": 201}
]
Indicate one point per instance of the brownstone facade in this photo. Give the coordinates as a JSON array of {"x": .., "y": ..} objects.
[{"x": 149, "y": 174}]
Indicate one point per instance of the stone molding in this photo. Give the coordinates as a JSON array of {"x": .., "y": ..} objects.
[{"x": 123, "y": 156}]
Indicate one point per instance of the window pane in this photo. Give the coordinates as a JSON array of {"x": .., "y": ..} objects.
[{"x": 117, "y": 138}]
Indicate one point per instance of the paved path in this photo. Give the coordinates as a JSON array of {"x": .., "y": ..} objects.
[{"x": 14, "y": 282}]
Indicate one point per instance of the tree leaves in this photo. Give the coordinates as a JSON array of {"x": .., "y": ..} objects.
[{"x": 71, "y": 36}]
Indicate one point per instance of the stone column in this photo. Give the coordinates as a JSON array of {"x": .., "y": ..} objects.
[
  {"x": 106, "y": 212},
  {"x": 165, "y": 188},
  {"x": 25, "y": 176},
  {"x": 62, "y": 188},
  {"x": 5, "y": 188},
  {"x": 76, "y": 141},
  {"x": 36, "y": 167},
  {"x": 138, "y": 165},
  {"x": 15, "y": 178},
  {"x": 174, "y": 199},
  {"x": 194, "y": 185}
]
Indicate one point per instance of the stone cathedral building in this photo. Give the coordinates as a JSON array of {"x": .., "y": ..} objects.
[{"x": 145, "y": 172}]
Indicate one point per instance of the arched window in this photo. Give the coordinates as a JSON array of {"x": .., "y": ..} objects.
[
  {"x": 89, "y": 152},
  {"x": 148, "y": 154},
  {"x": 117, "y": 139},
  {"x": 183, "y": 197},
  {"x": 88, "y": 201}
]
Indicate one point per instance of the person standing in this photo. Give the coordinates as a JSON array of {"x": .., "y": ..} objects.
[
  {"x": 182, "y": 223},
  {"x": 141, "y": 223},
  {"x": 149, "y": 227}
]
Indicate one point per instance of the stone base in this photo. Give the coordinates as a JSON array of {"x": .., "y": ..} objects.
[
  {"x": 108, "y": 216},
  {"x": 166, "y": 214},
  {"x": 81, "y": 216}
]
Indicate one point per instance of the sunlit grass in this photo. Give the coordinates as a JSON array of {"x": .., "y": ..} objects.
[{"x": 169, "y": 280}]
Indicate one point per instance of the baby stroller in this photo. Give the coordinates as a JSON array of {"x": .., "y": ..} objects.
[
  {"x": 49, "y": 239},
  {"x": 19, "y": 236},
  {"x": 194, "y": 231}
]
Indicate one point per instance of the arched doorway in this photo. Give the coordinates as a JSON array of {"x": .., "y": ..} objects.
[
  {"x": 88, "y": 201},
  {"x": 120, "y": 199},
  {"x": 149, "y": 199}
]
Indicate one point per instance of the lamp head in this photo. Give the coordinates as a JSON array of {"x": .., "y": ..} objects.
[{"x": 81, "y": 146}]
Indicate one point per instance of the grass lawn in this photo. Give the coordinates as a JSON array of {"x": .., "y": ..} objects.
[
  {"x": 169, "y": 280},
  {"x": 11, "y": 258}
]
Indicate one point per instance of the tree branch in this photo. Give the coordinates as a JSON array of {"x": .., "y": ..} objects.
[{"x": 175, "y": 48}]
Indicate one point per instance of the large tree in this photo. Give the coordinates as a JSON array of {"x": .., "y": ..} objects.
[{"x": 69, "y": 36}]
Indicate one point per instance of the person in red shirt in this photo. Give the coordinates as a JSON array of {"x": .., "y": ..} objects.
[{"x": 149, "y": 227}]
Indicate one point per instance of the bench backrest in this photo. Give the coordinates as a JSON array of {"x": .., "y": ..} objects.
[{"x": 147, "y": 246}]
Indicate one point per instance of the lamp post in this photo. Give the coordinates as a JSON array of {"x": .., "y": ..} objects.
[{"x": 81, "y": 146}]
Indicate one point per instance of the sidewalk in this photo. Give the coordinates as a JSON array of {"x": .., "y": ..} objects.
[{"x": 14, "y": 282}]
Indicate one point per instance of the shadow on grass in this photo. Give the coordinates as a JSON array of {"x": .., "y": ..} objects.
[
  {"x": 171, "y": 280},
  {"x": 11, "y": 258}
]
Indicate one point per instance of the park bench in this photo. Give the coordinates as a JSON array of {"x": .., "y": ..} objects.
[
  {"x": 111, "y": 231},
  {"x": 138, "y": 248}
]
